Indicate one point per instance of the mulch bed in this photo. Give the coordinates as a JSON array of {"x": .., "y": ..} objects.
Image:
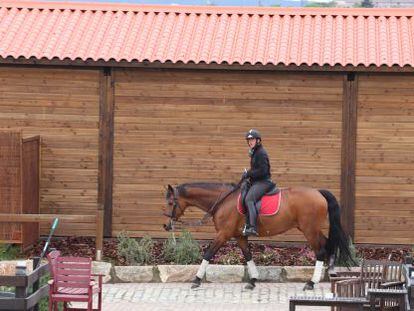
[{"x": 263, "y": 253}]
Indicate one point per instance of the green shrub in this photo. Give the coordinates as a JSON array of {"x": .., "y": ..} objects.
[
  {"x": 9, "y": 252},
  {"x": 184, "y": 250},
  {"x": 168, "y": 248},
  {"x": 135, "y": 252},
  {"x": 187, "y": 250},
  {"x": 44, "y": 304}
]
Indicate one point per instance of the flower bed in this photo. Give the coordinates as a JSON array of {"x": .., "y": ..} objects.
[{"x": 264, "y": 253}]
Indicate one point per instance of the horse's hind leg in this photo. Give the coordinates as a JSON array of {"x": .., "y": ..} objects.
[
  {"x": 317, "y": 242},
  {"x": 211, "y": 251},
  {"x": 331, "y": 266},
  {"x": 251, "y": 267}
]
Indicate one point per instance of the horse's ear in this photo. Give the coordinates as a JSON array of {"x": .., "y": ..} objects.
[{"x": 170, "y": 188}]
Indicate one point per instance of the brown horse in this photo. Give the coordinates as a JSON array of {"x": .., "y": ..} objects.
[{"x": 302, "y": 208}]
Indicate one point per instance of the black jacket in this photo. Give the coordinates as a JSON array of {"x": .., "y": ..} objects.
[{"x": 259, "y": 165}]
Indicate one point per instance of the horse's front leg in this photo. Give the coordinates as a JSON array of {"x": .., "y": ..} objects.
[
  {"x": 251, "y": 266},
  {"x": 211, "y": 251}
]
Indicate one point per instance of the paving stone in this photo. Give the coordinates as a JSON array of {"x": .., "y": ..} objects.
[{"x": 210, "y": 296}]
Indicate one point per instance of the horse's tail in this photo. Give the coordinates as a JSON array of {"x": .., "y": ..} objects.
[{"x": 338, "y": 241}]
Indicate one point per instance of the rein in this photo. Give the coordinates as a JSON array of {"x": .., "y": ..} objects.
[
  {"x": 215, "y": 206},
  {"x": 211, "y": 211}
]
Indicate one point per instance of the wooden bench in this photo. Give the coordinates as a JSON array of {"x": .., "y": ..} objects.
[
  {"x": 28, "y": 291},
  {"x": 350, "y": 302},
  {"x": 400, "y": 295},
  {"x": 409, "y": 276}
]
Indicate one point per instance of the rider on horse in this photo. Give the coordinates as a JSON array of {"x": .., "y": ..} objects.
[{"x": 258, "y": 180}]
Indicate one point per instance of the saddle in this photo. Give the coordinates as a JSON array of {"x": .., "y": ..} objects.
[{"x": 268, "y": 205}]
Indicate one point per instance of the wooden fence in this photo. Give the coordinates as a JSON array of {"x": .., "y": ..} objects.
[{"x": 27, "y": 292}]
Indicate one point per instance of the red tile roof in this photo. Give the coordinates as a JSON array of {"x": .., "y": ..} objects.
[{"x": 223, "y": 35}]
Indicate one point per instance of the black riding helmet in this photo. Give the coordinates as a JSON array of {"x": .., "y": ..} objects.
[
  {"x": 256, "y": 135},
  {"x": 253, "y": 134}
]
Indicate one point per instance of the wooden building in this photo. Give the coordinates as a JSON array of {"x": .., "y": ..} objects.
[{"x": 130, "y": 98}]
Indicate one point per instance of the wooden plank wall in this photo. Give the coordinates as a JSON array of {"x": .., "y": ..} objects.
[
  {"x": 184, "y": 126},
  {"x": 385, "y": 160},
  {"x": 62, "y": 106},
  {"x": 10, "y": 184}
]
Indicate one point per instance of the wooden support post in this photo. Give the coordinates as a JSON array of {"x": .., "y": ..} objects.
[
  {"x": 106, "y": 143},
  {"x": 21, "y": 270},
  {"x": 99, "y": 232},
  {"x": 36, "y": 261},
  {"x": 348, "y": 161}
]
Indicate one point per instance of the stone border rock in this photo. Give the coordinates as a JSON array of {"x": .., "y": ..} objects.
[
  {"x": 214, "y": 273},
  {"x": 8, "y": 267},
  {"x": 225, "y": 273},
  {"x": 177, "y": 273}
]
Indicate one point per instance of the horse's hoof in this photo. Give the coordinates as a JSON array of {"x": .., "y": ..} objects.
[
  {"x": 308, "y": 286},
  {"x": 250, "y": 286},
  {"x": 332, "y": 273},
  {"x": 195, "y": 285}
]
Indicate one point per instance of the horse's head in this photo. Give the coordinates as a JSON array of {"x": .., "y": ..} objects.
[
  {"x": 206, "y": 196},
  {"x": 175, "y": 206}
]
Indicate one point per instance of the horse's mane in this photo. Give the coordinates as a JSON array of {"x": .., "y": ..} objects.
[
  {"x": 204, "y": 185},
  {"x": 209, "y": 186}
]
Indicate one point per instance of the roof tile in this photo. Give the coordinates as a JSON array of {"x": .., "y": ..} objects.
[{"x": 224, "y": 35}]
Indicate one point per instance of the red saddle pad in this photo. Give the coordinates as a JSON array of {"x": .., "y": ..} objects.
[{"x": 270, "y": 204}]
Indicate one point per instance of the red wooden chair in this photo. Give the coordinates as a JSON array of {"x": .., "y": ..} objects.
[
  {"x": 51, "y": 258},
  {"x": 72, "y": 282}
]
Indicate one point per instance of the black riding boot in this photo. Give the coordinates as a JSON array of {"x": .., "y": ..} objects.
[
  {"x": 251, "y": 229},
  {"x": 247, "y": 224},
  {"x": 244, "y": 189}
]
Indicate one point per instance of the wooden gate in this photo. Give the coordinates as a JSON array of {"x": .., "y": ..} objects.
[{"x": 19, "y": 185}]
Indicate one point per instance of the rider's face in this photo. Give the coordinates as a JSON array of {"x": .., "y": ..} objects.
[{"x": 251, "y": 142}]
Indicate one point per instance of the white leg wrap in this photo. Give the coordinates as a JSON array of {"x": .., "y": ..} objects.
[
  {"x": 253, "y": 272},
  {"x": 202, "y": 270},
  {"x": 317, "y": 273}
]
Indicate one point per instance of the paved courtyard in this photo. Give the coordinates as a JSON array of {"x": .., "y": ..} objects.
[{"x": 211, "y": 296}]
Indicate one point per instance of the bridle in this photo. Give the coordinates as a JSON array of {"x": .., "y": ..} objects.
[{"x": 176, "y": 205}]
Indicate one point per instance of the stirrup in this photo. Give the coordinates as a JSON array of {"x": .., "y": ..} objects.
[
  {"x": 244, "y": 229},
  {"x": 250, "y": 231}
]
